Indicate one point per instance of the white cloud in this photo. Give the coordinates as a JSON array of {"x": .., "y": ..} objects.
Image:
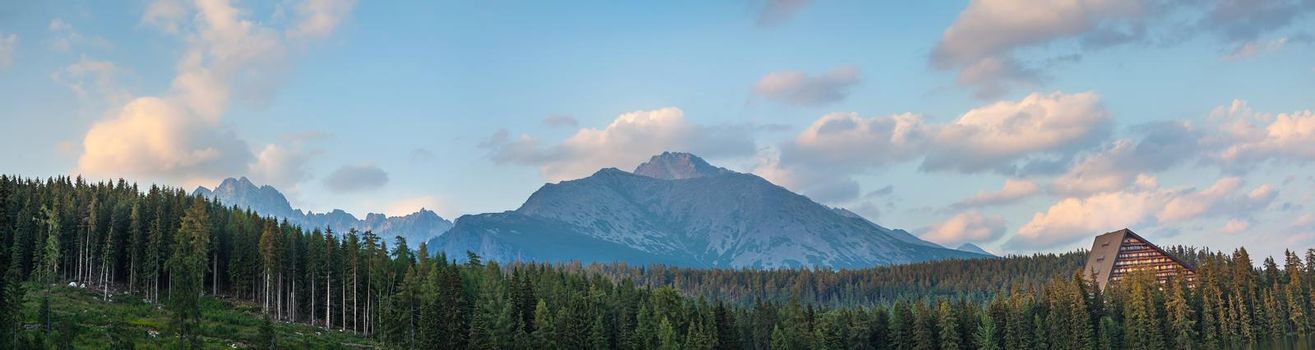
[
  {"x": 1073, "y": 218},
  {"x": 152, "y": 137},
  {"x": 796, "y": 87},
  {"x": 7, "y": 44},
  {"x": 1221, "y": 198},
  {"x": 821, "y": 159},
  {"x": 319, "y": 18},
  {"x": 88, "y": 76},
  {"x": 65, "y": 37},
  {"x": 1155, "y": 147},
  {"x": 993, "y": 76},
  {"x": 1246, "y": 136},
  {"x": 1003, "y": 137},
  {"x": 167, "y": 15},
  {"x": 849, "y": 140},
  {"x": 774, "y": 12},
  {"x": 1253, "y": 48},
  {"x": 1012, "y": 191},
  {"x": 1235, "y": 226},
  {"x": 982, "y": 41},
  {"x": 1246, "y": 21},
  {"x": 1304, "y": 222},
  {"x": 995, "y": 136},
  {"x": 996, "y": 45},
  {"x": 179, "y": 136},
  {"x": 356, "y": 178},
  {"x": 622, "y": 144},
  {"x": 966, "y": 227},
  {"x": 281, "y": 166}
]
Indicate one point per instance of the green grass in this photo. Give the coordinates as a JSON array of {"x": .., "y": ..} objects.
[{"x": 225, "y": 324}]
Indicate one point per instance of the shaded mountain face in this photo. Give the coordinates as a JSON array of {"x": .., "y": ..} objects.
[
  {"x": 417, "y": 227},
  {"x": 682, "y": 212},
  {"x": 973, "y": 248},
  {"x": 899, "y": 234}
]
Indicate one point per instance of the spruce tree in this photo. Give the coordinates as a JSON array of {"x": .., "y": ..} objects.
[
  {"x": 984, "y": 337},
  {"x": 948, "y": 325},
  {"x": 667, "y": 336},
  {"x": 1182, "y": 325},
  {"x": 50, "y": 255},
  {"x": 728, "y": 337},
  {"x": 646, "y": 328},
  {"x": 779, "y": 340},
  {"x": 543, "y": 326},
  {"x": 187, "y": 269},
  {"x": 901, "y": 326},
  {"x": 924, "y": 328}
]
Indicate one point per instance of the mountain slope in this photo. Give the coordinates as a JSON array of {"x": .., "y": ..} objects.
[
  {"x": 416, "y": 227},
  {"x": 688, "y": 214},
  {"x": 973, "y": 248},
  {"x": 899, "y": 234}
]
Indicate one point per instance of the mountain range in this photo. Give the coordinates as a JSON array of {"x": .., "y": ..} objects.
[
  {"x": 679, "y": 210},
  {"x": 416, "y": 227}
]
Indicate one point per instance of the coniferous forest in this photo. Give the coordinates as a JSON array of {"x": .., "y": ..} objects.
[{"x": 178, "y": 252}]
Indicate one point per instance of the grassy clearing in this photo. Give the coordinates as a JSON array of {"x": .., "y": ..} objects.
[{"x": 81, "y": 319}]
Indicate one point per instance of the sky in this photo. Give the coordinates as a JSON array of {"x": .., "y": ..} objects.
[{"x": 1020, "y": 126}]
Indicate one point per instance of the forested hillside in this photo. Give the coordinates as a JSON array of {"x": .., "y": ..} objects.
[
  {"x": 975, "y": 279},
  {"x": 164, "y": 247}
]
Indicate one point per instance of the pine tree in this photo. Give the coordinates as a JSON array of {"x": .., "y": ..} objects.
[
  {"x": 1182, "y": 325},
  {"x": 948, "y": 325},
  {"x": 135, "y": 241},
  {"x": 901, "y": 327},
  {"x": 779, "y": 340},
  {"x": 728, "y": 337},
  {"x": 1295, "y": 293},
  {"x": 924, "y": 328},
  {"x": 598, "y": 335},
  {"x": 267, "y": 256},
  {"x": 667, "y": 336},
  {"x": 154, "y": 248},
  {"x": 187, "y": 269},
  {"x": 50, "y": 254},
  {"x": 984, "y": 337},
  {"x": 11, "y": 304},
  {"x": 543, "y": 326},
  {"x": 1040, "y": 340},
  {"x": 646, "y": 328}
]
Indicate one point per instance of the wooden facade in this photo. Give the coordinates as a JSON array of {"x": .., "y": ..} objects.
[{"x": 1115, "y": 254}]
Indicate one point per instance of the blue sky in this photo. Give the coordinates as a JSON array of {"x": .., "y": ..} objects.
[{"x": 1189, "y": 122}]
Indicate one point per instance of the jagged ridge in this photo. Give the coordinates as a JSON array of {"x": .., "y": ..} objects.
[{"x": 416, "y": 227}]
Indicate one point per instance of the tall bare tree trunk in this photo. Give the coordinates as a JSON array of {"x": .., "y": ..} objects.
[
  {"x": 355, "y": 281},
  {"x": 328, "y": 300},
  {"x": 265, "y": 292},
  {"x": 279, "y": 296},
  {"x": 132, "y": 274},
  {"x": 312, "y": 299},
  {"x": 343, "y": 307}
]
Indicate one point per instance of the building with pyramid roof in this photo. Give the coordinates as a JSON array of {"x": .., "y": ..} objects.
[{"x": 1116, "y": 254}]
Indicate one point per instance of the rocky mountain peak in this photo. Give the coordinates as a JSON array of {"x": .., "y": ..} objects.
[
  {"x": 677, "y": 166},
  {"x": 268, "y": 201}
]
